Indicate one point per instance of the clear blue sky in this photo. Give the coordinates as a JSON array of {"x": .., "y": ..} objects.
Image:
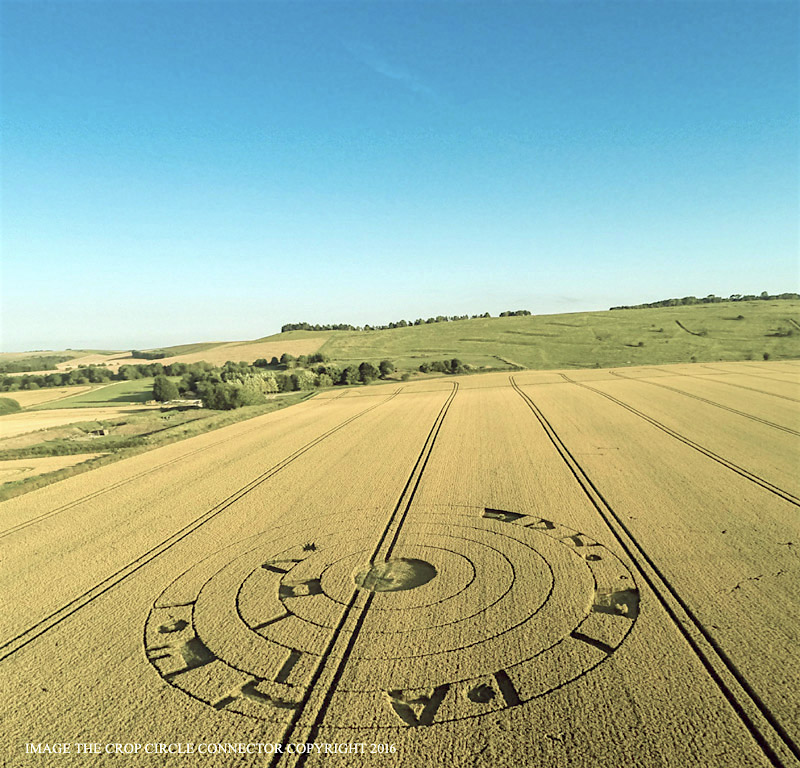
[{"x": 186, "y": 171}]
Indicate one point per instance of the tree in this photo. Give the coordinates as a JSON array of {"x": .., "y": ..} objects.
[
  {"x": 256, "y": 387},
  {"x": 367, "y": 372},
  {"x": 164, "y": 389},
  {"x": 350, "y": 375},
  {"x": 385, "y": 367},
  {"x": 129, "y": 372},
  {"x": 220, "y": 396},
  {"x": 302, "y": 380}
]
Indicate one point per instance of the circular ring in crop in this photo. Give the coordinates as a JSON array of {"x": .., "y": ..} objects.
[{"x": 475, "y": 610}]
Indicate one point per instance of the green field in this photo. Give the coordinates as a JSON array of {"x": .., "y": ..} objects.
[
  {"x": 710, "y": 332},
  {"x": 120, "y": 393}
]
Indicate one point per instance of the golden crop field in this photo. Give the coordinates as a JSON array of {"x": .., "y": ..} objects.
[{"x": 558, "y": 568}]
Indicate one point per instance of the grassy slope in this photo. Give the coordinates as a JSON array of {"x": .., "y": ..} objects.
[
  {"x": 581, "y": 339},
  {"x": 586, "y": 338}
]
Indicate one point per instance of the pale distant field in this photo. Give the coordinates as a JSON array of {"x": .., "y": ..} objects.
[
  {"x": 96, "y": 358},
  {"x": 250, "y": 351},
  {"x": 28, "y": 421},
  {"x": 18, "y": 469},
  {"x": 28, "y": 397},
  {"x": 593, "y": 568},
  {"x": 216, "y": 354}
]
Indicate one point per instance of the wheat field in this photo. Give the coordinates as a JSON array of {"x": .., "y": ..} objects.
[{"x": 560, "y": 568}]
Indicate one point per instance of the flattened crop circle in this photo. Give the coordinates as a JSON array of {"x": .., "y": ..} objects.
[
  {"x": 474, "y": 611},
  {"x": 395, "y": 575}
]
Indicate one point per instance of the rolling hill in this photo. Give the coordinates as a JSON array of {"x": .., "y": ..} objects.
[{"x": 702, "y": 333}]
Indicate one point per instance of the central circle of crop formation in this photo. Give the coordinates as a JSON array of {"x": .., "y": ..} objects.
[
  {"x": 395, "y": 575},
  {"x": 477, "y": 610}
]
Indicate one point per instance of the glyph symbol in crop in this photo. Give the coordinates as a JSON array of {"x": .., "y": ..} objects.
[{"x": 476, "y": 610}]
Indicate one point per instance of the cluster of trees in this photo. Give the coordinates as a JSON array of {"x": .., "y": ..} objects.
[
  {"x": 153, "y": 354},
  {"x": 444, "y": 366},
  {"x": 290, "y": 361},
  {"x": 286, "y": 374},
  {"x": 40, "y": 363},
  {"x": 229, "y": 386},
  {"x": 516, "y": 313},
  {"x": 83, "y": 375},
  {"x": 238, "y": 384},
  {"x": 94, "y": 374},
  {"x": 318, "y": 327},
  {"x": 711, "y": 299},
  {"x": 398, "y": 324}
]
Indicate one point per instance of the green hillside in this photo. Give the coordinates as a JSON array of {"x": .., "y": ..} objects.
[
  {"x": 706, "y": 332},
  {"x": 742, "y": 330}
]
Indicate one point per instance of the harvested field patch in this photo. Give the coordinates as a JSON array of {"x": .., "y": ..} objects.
[
  {"x": 30, "y": 421},
  {"x": 252, "y": 350},
  {"x": 18, "y": 469}
]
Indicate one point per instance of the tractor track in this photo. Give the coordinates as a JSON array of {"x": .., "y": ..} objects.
[
  {"x": 708, "y": 377},
  {"x": 14, "y": 644},
  {"x": 746, "y": 473},
  {"x": 711, "y": 402},
  {"x": 749, "y": 372},
  {"x": 772, "y": 738},
  {"x": 330, "y": 669},
  {"x": 751, "y": 367}
]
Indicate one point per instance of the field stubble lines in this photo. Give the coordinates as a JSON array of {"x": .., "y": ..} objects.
[
  {"x": 120, "y": 483},
  {"x": 11, "y": 646},
  {"x": 771, "y": 487},
  {"x": 329, "y": 671},
  {"x": 714, "y": 376},
  {"x": 748, "y": 371},
  {"x": 710, "y": 402},
  {"x": 770, "y": 735},
  {"x": 775, "y": 373},
  {"x": 769, "y": 454}
]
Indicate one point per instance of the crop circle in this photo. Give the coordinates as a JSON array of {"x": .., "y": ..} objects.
[{"x": 474, "y": 611}]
